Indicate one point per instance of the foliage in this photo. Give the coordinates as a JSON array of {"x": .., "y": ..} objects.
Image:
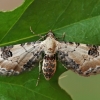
[{"x": 78, "y": 19}]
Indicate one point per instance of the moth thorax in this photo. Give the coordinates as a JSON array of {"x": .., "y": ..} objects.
[
  {"x": 49, "y": 66},
  {"x": 50, "y": 46}
]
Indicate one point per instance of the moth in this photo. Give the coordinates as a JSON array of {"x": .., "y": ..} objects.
[{"x": 80, "y": 58}]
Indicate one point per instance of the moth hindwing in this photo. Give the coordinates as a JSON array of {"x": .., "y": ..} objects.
[{"x": 80, "y": 58}]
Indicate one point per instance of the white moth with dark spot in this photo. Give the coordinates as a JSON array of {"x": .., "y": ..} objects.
[{"x": 82, "y": 59}]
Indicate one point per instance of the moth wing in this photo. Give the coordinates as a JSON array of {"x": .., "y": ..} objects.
[
  {"x": 82, "y": 59},
  {"x": 18, "y": 58}
]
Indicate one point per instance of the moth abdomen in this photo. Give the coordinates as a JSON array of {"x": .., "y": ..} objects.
[
  {"x": 49, "y": 66},
  {"x": 48, "y": 70}
]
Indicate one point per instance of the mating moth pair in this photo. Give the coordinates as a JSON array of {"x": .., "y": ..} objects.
[{"x": 82, "y": 59}]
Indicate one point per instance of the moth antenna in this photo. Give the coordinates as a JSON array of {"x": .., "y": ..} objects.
[
  {"x": 63, "y": 36},
  {"x": 31, "y": 30},
  {"x": 41, "y": 37}
]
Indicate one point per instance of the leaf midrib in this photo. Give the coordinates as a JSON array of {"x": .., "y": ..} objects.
[{"x": 66, "y": 26}]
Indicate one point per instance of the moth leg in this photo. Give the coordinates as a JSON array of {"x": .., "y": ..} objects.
[
  {"x": 40, "y": 71},
  {"x": 65, "y": 67}
]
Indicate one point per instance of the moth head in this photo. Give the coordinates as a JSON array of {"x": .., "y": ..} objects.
[{"x": 50, "y": 34}]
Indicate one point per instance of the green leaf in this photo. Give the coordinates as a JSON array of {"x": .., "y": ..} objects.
[
  {"x": 23, "y": 87},
  {"x": 78, "y": 19},
  {"x": 9, "y": 19}
]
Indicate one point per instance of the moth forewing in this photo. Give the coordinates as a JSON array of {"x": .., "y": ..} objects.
[
  {"x": 82, "y": 59},
  {"x": 23, "y": 57}
]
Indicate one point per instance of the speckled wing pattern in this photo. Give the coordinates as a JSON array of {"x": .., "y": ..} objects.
[
  {"x": 82, "y": 59},
  {"x": 18, "y": 58}
]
